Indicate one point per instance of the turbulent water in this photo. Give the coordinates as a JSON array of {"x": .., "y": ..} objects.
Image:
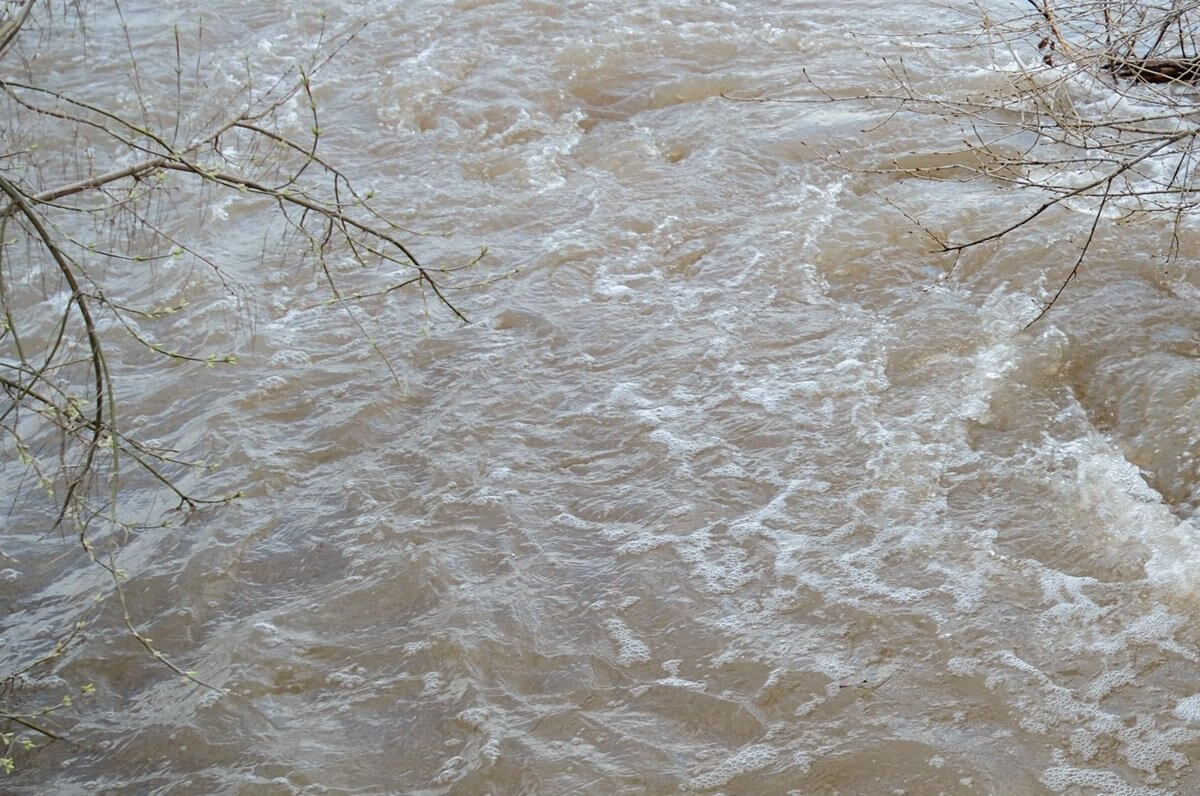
[{"x": 734, "y": 486}]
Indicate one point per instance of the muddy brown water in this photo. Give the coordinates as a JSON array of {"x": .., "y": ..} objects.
[{"x": 733, "y": 488}]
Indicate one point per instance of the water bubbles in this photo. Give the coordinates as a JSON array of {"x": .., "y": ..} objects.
[
  {"x": 432, "y": 684},
  {"x": 475, "y": 718},
  {"x": 207, "y": 699},
  {"x": 413, "y": 647},
  {"x": 272, "y": 384},
  {"x": 449, "y": 772},
  {"x": 1188, "y": 709},
  {"x": 289, "y": 358},
  {"x": 961, "y": 666},
  {"x": 350, "y": 677},
  {"x": 630, "y": 649},
  {"x": 750, "y": 758},
  {"x": 268, "y": 634}
]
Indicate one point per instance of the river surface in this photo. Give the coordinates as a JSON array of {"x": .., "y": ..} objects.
[{"x": 734, "y": 487}]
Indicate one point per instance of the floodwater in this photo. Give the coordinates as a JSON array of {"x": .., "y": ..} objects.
[{"x": 734, "y": 487}]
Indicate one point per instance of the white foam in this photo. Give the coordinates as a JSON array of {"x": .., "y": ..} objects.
[
  {"x": 1188, "y": 709},
  {"x": 1147, "y": 747},
  {"x": 289, "y": 358},
  {"x": 679, "y": 682},
  {"x": 490, "y": 751},
  {"x": 962, "y": 666},
  {"x": 350, "y": 677},
  {"x": 451, "y": 770},
  {"x": 1063, "y": 777},
  {"x": 272, "y": 384},
  {"x": 642, "y": 543},
  {"x": 413, "y": 647},
  {"x": 475, "y": 718},
  {"x": 747, "y": 759},
  {"x": 630, "y": 649}
]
